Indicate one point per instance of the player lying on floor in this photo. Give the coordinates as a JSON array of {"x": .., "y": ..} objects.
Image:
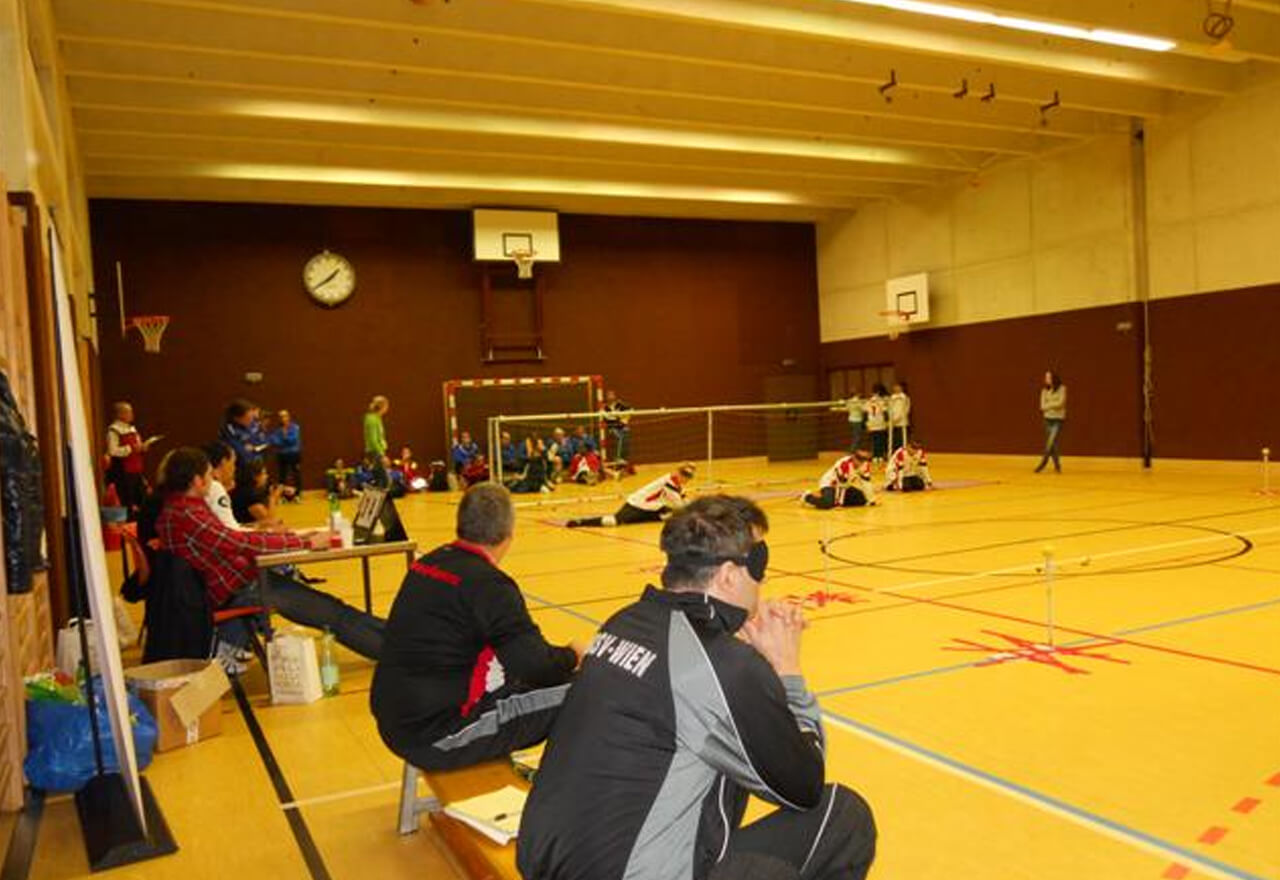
[
  {"x": 847, "y": 483},
  {"x": 908, "y": 469},
  {"x": 648, "y": 504}
]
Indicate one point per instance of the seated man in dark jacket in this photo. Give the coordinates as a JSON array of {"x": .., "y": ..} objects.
[
  {"x": 673, "y": 720},
  {"x": 465, "y": 674}
]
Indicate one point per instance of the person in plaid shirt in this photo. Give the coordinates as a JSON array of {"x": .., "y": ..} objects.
[{"x": 225, "y": 557}]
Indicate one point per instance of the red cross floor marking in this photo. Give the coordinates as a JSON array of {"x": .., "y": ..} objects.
[
  {"x": 1176, "y": 871},
  {"x": 1026, "y": 649},
  {"x": 1274, "y": 780},
  {"x": 1213, "y": 834},
  {"x": 823, "y": 598},
  {"x": 1246, "y": 805}
]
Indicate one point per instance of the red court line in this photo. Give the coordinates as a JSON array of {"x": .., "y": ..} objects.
[
  {"x": 1213, "y": 834},
  {"x": 1246, "y": 805},
  {"x": 924, "y": 600}
]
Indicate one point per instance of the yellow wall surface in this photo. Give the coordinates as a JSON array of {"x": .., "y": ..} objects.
[
  {"x": 1054, "y": 232},
  {"x": 1213, "y": 181}
]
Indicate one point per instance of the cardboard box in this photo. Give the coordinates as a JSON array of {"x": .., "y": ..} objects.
[{"x": 185, "y": 696}]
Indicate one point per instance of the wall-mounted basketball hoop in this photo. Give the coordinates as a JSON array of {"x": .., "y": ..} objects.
[
  {"x": 151, "y": 327},
  {"x": 896, "y": 322},
  {"x": 524, "y": 262}
]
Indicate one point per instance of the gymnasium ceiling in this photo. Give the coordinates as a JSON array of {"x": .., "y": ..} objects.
[{"x": 767, "y": 109}]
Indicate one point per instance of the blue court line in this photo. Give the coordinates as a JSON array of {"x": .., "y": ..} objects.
[
  {"x": 548, "y": 605},
  {"x": 1172, "y": 849},
  {"x": 955, "y": 667},
  {"x": 1198, "y": 617},
  {"x": 1008, "y": 785}
]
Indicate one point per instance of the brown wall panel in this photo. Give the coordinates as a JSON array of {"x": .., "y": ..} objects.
[
  {"x": 1217, "y": 359},
  {"x": 975, "y": 388},
  {"x": 671, "y": 312}
]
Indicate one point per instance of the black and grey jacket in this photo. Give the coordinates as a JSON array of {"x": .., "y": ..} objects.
[{"x": 670, "y": 724}]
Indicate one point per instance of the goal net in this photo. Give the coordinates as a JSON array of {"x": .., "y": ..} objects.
[
  {"x": 469, "y": 404},
  {"x": 716, "y": 438}
]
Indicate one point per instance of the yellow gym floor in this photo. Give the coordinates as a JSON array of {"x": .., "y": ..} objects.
[{"x": 1140, "y": 738}]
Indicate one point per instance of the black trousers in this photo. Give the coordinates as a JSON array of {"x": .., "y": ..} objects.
[
  {"x": 830, "y": 497},
  {"x": 290, "y": 466},
  {"x": 503, "y": 722},
  {"x": 834, "y": 841},
  {"x": 627, "y": 515},
  {"x": 356, "y": 629}
]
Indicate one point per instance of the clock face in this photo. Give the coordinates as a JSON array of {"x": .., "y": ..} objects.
[{"x": 329, "y": 278}]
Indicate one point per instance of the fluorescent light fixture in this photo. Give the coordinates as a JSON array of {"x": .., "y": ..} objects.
[
  {"x": 978, "y": 16},
  {"x": 572, "y": 129},
  {"x": 494, "y": 183}
]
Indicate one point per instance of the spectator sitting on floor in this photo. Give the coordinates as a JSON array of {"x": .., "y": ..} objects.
[{"x": 337, "y": 479}]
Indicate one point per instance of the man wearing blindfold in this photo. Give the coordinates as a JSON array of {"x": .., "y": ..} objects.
[{"x": 687, "y": 701}]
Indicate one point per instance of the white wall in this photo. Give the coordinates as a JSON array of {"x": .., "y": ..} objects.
[
  {"x": 1213, "y": 182},
  {"x": 1054, "y": 233}
]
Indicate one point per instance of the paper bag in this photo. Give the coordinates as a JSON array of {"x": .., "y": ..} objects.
[
  {"x": 68, "y": 647},
  {"x": 295, "y": 671}
]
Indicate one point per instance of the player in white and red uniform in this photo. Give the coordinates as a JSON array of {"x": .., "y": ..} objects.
[
  {"x": 908, "y": 469},
  {"x": 847, "y": 483},
  {"x": 648, "y": 504}
]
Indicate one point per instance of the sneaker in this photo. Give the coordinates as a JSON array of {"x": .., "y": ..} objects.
[{"x": 234, "y": 661}]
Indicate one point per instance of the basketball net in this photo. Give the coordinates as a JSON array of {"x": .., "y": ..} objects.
[
  {"x": 151, "y": 327},
  {"x": 524, "y": 263},
  {"x": 896, "y": 323}
]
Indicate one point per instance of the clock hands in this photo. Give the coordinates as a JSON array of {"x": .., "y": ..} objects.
[{"x": 332, "y": 275}]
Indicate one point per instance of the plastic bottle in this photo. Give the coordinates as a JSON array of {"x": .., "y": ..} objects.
[
  {"x": 335, "y": 510},
  {"x": 328, "y": 664}
]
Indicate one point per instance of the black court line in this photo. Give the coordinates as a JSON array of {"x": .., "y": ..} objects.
[
  {"x": 892, "y": 563},
  {"x": 22, "y": 840},
  {"x": 297, "y": 824}
]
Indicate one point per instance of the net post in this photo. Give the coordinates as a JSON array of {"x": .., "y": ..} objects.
[
  {"x": 711, "y": 416},
  {"x": 1266, "y": 470},
  {"x": 495, "y": 450}
]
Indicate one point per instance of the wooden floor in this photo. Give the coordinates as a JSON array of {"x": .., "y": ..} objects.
[{"x": 1140, "y": 739}]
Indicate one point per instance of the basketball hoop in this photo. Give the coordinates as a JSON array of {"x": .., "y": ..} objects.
[
  {"x": 896, "y": 322},
  {"x": 524, "y": 262},
  {"x": 151, "y": 327}
]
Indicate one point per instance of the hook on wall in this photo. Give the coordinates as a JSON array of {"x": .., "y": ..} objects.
[
  {"x": 1052, "y": 105},
  {"x": 887, "y": 89},
  {"x": 964, "y": 89},
  {"x": 990, "y": 95}
]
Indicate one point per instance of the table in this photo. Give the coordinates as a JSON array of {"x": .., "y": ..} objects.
[{"x": 363, "y": 552}]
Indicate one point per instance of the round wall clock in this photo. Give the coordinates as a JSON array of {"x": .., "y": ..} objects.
[{"x": 329, "y": 278}]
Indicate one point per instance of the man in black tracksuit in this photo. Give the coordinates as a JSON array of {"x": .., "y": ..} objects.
[
  {"x": 465, "y": 675},
  {"x": 672, "y": 721}
]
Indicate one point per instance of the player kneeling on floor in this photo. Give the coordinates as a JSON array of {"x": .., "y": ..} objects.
[
  {"x": 847, "y": 483},
  {"x": 908, "y": 469},
  {"x": 648, "y": 504}
]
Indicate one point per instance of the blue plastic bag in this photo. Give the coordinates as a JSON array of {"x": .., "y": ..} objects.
[{"x": 60, "y": 744}]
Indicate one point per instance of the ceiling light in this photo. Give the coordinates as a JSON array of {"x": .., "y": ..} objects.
[{"x": 978, "y": 16}]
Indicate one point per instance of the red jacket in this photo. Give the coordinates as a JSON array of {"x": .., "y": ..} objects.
[{"x": 224, "y": 557}]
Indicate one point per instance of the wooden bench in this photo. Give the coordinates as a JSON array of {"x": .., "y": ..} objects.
[{"x": 479, "y": 857}]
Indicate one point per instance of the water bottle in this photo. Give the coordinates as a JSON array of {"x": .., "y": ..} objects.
[
  {"x": 328, "y": 664},
  {"x": 335, "y": 511}
]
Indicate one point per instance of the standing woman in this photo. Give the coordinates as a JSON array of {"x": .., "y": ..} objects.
[
  {"x": 899, "y": 416},
  {"x": 375, "y": 437},
  {"x": 1053, "y": 406},
  {"x": 287, "y": 440},
  {"x": 878, "y": 422}
]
